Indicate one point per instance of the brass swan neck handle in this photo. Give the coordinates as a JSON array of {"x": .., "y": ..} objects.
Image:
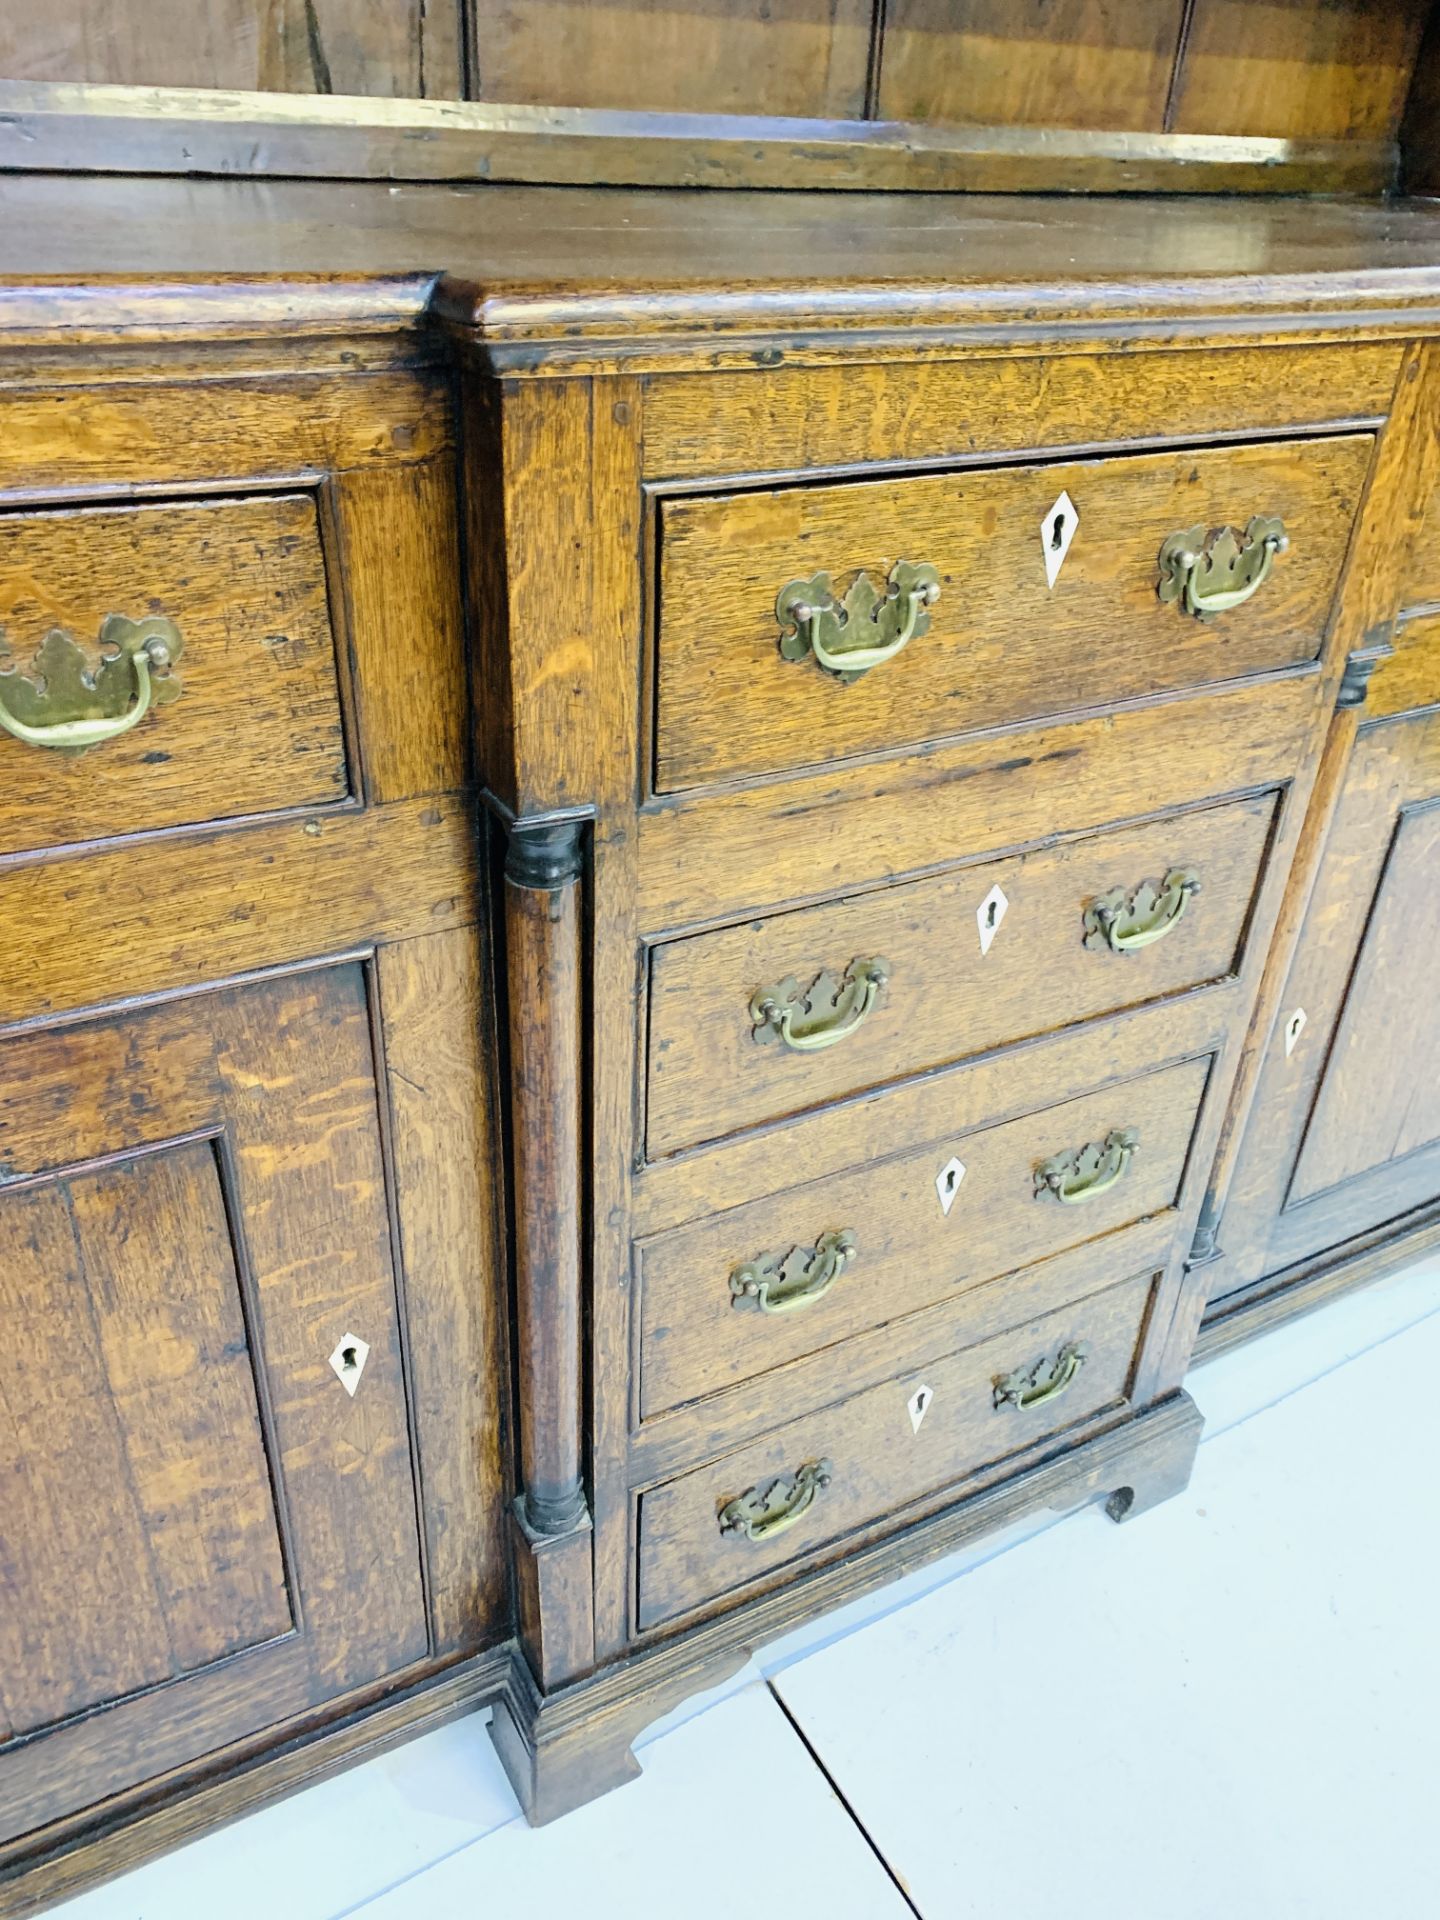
[
  {"x": 851, "y": 636},
  {"x": 70, "y": 704}
]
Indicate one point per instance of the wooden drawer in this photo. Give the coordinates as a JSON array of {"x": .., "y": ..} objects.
[
  {"x": 877, "y": 1458},
  {"x": 745, "y": 1291},
  {"x": 718, "y": 1065},
  {"x": 1002, "y": 644},
  {"x": 247, "y": 720}
]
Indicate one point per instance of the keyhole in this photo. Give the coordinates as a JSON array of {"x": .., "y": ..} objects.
[
  {"x": 1294, "y": 1029},
  {"x": 950, "y": 1181},
  {"x": 922, "y": 1401},
  {"x": 992, "y": 908},
  {"x": 1057, "y": 533},
  {"x": 349, "y": 1359}
]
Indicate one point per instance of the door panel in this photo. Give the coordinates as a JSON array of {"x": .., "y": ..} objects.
[
  {"x": 1345, "y": 1131},
  {"x": 201, "y": 1530},
  {"x": 1380, "y": 1096},
  {"x": 141, "y": 1539}
]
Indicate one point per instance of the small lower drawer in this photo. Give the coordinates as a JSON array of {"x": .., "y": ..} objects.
[{"x": 808, "y": 1485}]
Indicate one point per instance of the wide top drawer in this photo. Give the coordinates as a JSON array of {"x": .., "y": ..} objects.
[
  {"x": 978, "y": 598},
  {"x": 163, "y": 666}
]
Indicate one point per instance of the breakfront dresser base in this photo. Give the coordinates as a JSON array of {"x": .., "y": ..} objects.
[
  {"x": 581, "y": 979},
  {"x": 564, "y": 1748}
]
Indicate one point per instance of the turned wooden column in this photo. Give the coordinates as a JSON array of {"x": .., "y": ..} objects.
[{"x": 545, "y": 958}]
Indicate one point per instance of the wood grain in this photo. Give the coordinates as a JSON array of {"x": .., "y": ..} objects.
[
  {"x": 109, "y": 924},
  {"x": 1296, "y": 69},
  {"x": 1410, "y": 679},
  {"x": 1422, "y": 582},
  {"x": 1305, "y": 69},
  {"x": 177, "y": 1366},
  {"x": 291, "y": 46},
  {"x": 60, "y": 126},
  {"x": 879, "y": 1465},
  {"x": 729, "y": 704},
  {"x": 909, "y": 1254},
  {"x": 243, "y": 1778},
  {"x": 544, "y": 958},
  {"x": 1420, "y": 130},
  {"x": 535, "y": 597},
  {"x": 322, "y": 1256},
  {"x": 1393, "y": 768},
  {"x": 1035, "y": 64},
  {"x": 555, "y": 277},
  {"x": 1279, "y": 1298},
  {"x": 807, "y": 419},
  {"x": 1377, "y": 1103},
  {"x": 962, "y": 1099},
  {"x": 208, "y": 247},
  {"x": 438, "y": 1025},
  {"x": 399, "y": 579},
  {"x": 282, "y": 1071},
  {"x": 755, "y": 57},
  {"x": 118, "y": 440},
  {"x": 968, "y": 331},
  {"x": 701, "y": 1431},
  {"x": 546, "y": 979},
  {"x": 257, "y": 724},
  {"x": 1390, "y": 526},
  {"x": 575, "y": 1740},
  {"x": 65, "y": 1646},
  {"x": 946, "y": 1000},
  {"x": 708, "y": 857}
]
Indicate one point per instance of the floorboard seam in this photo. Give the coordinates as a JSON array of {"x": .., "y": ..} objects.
[
  {"x": 417, "y": 1873},
  {"x": 839, "y": 1793}
]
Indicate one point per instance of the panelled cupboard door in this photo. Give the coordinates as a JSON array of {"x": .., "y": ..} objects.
[
  {"x": 1345, "y": 1133},
  {"x": 207, "y": 1504}
]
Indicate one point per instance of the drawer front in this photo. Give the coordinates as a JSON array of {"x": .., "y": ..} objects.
[
  {"x": 737, "y": 1295},
  {"x": 734, "y": 1522},
  {"x": 970, "y": 960},
  {"x": 730, "y": 702},
  {"x": 245, "y": 718}
]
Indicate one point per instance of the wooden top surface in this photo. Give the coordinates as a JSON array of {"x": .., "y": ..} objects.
[{"x": 586, "y": 274}]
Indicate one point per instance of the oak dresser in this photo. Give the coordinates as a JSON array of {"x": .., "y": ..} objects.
[{"x": 688, "y": 880}]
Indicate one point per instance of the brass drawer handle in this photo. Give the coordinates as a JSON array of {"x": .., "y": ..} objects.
[
  {"x": 1124, "y": 922},
  {"x": 774, "y": 1284},
  {"x": 1212, "y": 579},
  {"x": 865, "y": 629},
  {"x": 1045, "y": 1380},
  {"x": 1084, "y": 1173},
  {"x": 71, "y": 705},
  {"x": 822, "y": 1014},
  {"x": 771, "y": 1506}
]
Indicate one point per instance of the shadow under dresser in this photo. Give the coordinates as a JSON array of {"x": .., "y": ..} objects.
[{"x": 658, "y": 853}]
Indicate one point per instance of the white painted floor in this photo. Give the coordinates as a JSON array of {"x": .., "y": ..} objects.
[{"x": 1228, "y": 1708}]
